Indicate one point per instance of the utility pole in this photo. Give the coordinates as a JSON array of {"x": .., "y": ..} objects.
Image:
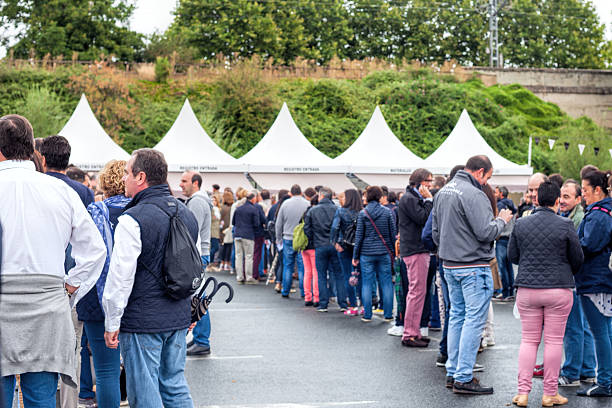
[{"x": 493, "y": 34}]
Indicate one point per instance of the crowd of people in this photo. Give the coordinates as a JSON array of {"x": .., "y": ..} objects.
[{"x": 83, "y": 258}]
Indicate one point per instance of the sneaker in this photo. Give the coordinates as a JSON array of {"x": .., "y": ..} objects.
[
  {"x": 315, "y": 304},
  {"x": 414, "y": 342},
  {"x": 473, "y": 387},
  {"x": 378, "y": 311},
  {"x": 240, "y": 281},
  {"x": 308, "y": 303},
  {"x": 388, "y": 319},
  {"x": 322, "y": 310},
  {"x": 508, "y": 299},
  {"x": 352, "y": 311},
  {"x": 441, "y": 362},
  {"x": 363, "y": 319},
  {"x": 278, "y": 287},
  {"x": 588, "y": 380},
  {"x": 332, "y": 300},
  {"x": 343, "y": 309},
  {"x": 568, "y": 382},
  {"x": 124, "y": 403},
  {"x": 252, "y": 282},
  {"x": 424, "y": 331},
  {"x": 538, "y": 370},
  {"x": 498, "y": 297},
  {"x": 87, "y": 403},
  {"x": 449, "y": 381},
  {"x": 395, "y": 331},
  {"x": 478, "y": 368},
  {"x": 595, "y": 390},
  {"x": 488, "y": 341}
]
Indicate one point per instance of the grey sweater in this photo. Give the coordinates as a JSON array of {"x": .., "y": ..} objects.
[
  {"x": 289, "y": 217},
  {"x": 463, "y": 227},
  {"x": 201, "y": 206}
]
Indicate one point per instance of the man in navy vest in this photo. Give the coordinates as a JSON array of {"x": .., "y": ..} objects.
[{"x": 150, "y": 325}]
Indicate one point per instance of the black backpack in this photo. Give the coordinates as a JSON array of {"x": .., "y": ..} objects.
[
  {"x": 348, "y": 235},
  {"x": 182, "y": 271}
]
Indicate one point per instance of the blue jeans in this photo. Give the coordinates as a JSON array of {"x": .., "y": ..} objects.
[
  {"x": 506, "y": 272},
  {"x": 346, "y": 259},
  {"x": 601, "y": 327},
  {"x": 290, "y": 257},
  {"x": 326, "y": 259},
  {"x": 107, "y": 366},
  {"x": 155, "y": 369},
  {"x": 201, "y": 331},
  {"x": 470, "y": 291},
  {"x": 86, "y": 381},
  {"x": 578, "y": 345},
  {"x": 376, "y": 267},
  {"x": 445, "y": 296},
  {"x": 214, "y": 247},
  {"x": 38, "y": 389}
]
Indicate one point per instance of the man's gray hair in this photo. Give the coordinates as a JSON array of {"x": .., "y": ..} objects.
[{"x": 326, "y": 192}]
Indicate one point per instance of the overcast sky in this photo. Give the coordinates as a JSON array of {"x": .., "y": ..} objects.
[{"x": 152, "y": 15}]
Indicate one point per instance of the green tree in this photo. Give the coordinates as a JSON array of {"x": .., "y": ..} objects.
[
  {"x": 61, "y": 27},
  {"x": 552, "y": 33}
]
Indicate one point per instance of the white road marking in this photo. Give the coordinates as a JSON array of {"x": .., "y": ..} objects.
[
  {"x": 191, "y": 358},
  {"x": 295, "y": 405}
]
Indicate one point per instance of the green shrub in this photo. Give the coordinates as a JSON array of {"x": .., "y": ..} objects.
[
  {"x": 162, "y": 69},
  {"x": 44, "y": 111}
]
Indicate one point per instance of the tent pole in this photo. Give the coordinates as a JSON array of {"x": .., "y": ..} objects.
[{"x": 529, "y": 153}]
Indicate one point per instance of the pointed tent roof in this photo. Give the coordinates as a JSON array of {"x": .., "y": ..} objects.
[
  {"x": 187, "y": 146},
  {"x": 465, "y": 142},
  {"x": 91, "y": 147},
  {"x": 378, "y": 150},
  {"x": 285, "y": 149}
]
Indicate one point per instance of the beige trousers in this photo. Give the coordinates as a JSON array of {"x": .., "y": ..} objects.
[
  {"x": 244, "y": 259},
  {"x": 69, "y": 397}
]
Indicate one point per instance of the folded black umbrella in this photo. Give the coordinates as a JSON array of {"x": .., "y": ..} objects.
[{"x": 200, "y": 304}]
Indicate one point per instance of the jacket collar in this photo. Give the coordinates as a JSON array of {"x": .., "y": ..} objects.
[
  {"x": 606, "y": 202},
  {"x": 543, "y": 209},
  {"x": 160, "y": 190},
  {"x": 465, "y": 176},
  {"x": 17, "y": 164},
  {"x": 326, "y": 201}
]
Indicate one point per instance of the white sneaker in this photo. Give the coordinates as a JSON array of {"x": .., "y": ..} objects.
[
  {"x": 395, "y": 331},
  {"x": 488, "y": 342},
  {"x": 424, "y": 331}
]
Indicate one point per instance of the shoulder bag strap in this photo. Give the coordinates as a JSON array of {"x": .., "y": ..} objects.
[{"x": 378, "y": 232}]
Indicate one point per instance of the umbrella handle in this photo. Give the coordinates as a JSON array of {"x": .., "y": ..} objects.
[
  {"x": 210, "y": 280},
  {"x": 230, "y": 290}
]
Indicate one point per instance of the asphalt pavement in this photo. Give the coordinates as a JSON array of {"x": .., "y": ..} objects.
[{"x": 268, "y": 351}]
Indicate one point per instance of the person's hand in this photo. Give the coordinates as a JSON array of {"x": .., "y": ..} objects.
[
  {"x": 111, "y": 339},
  {"x": 355, "y": 262},
  {"x": 70, "y": 289},
  {"x": 339, "y": 247},
  {"x": 505, "y": 215},
  {"x": 424, "y": 191}
]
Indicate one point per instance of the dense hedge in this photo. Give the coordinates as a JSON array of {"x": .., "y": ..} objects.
[{"x": 238, "y": 107}]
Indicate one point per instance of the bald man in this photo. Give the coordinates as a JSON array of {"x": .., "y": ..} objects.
[{"x": 532, "y": 190}]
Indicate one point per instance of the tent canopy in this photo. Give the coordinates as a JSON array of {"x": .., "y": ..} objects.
[
  {"x": 284, "y": 149},
  {"x": 465, "y": 142},
  {"x": 378, "y": 150},
  {"x": 276, "y": 181},
  {"x": 91, "y": 147},
  {"x": 187, "y": 146}
]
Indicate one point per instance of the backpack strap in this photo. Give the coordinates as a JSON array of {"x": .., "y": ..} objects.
[{"x": 602, "y": 209}]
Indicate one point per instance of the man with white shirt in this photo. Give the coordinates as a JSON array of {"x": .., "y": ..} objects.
[
  {"x": 40, "y": 216},
  {"x": 150, "y": 325}
]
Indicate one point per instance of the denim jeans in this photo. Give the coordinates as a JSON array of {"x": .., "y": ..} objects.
[
  {"x": 601, "y": 328},
  {"x": 470, "y": 291},
  {"x": 38, "y": 389},
  {"x": 155, "y": 369},
  {"x": 201, "y": 331},
  {"x": 107, "y": 366},
  {"x": 578, "y": 345},
  {"x": 214, "y": 247},
  {"x": 346, "y": 258},
  {"x": 290, "y": 258},
  {"x": 326, "y": 259},
  {"x": 373, "y": 266},
  {"x": 504, "y": 265},
  {"x": 86, "y": 383},
  {"x": 447, "y": 307}
]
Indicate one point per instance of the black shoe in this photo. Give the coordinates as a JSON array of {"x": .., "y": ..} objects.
[
  {"x": 315, "y": 304},
  {"x": 595, "y": 390},
  {"x": 191, "y": 343},
  {"x": 425, "y": 339},
  {"x": 285, "y": 296},
  {"x": 308, "y": 303},
  {"x": 449, "y": 381},
  {"x": 441, "y": 361},
  {"x": 473, "y": 387},
  {"x": 197, "y": 350}
]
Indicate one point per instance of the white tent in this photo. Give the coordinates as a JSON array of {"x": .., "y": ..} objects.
[
  {"x": 91, "y": 147},
  {"x": 465, "y": 142},
  {"x": 284, "y": 156},
  {"x": 378, "y": 157},
  {"x": 187, "y": 146}
]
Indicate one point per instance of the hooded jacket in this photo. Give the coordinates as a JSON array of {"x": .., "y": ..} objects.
[{"x": 463, "y": 227}]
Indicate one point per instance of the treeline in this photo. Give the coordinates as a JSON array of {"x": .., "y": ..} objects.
[{"x": 532, "y": 33}]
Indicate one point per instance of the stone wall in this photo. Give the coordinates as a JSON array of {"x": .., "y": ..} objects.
[{"x": 579, "y": 92}]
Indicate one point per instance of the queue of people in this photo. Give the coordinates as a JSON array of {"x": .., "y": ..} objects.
[{"x": 90, "y": 268}]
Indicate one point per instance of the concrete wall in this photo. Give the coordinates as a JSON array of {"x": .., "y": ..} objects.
[{"x": 579, "y": 92}]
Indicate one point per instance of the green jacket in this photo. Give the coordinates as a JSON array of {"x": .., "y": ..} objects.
[{"x": 576, "y": 215}]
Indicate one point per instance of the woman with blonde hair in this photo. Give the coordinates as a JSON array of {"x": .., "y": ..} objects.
[{"x": 105, "y": 214}]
